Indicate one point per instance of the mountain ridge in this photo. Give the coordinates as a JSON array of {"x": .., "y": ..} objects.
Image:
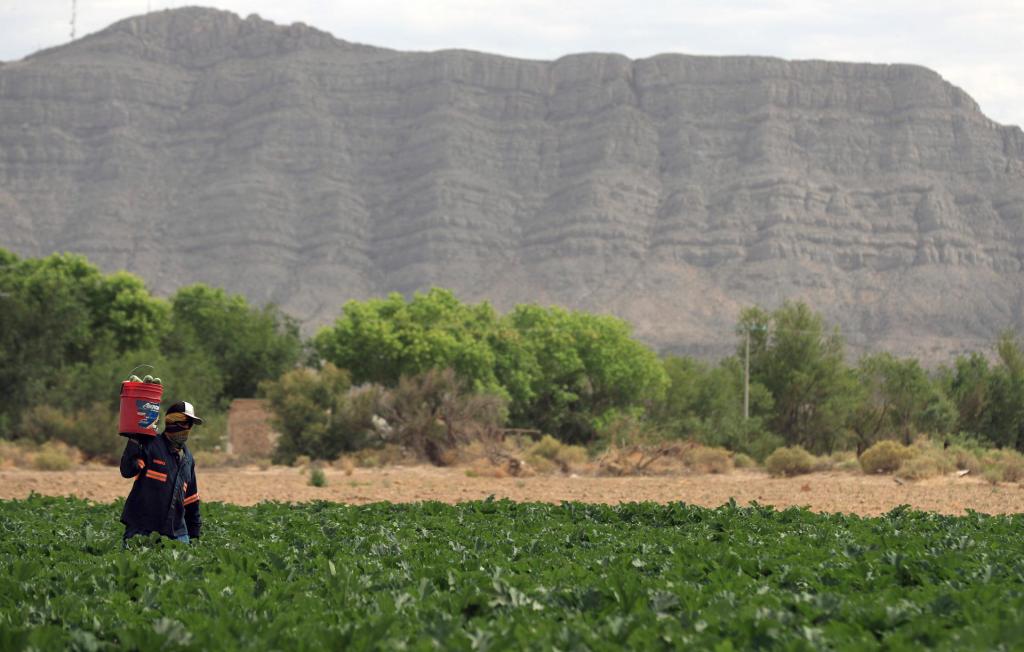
[{"x": 295, "y": 167}]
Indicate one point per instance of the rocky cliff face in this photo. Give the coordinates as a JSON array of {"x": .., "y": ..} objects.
[{"x": 283, "y": 163}]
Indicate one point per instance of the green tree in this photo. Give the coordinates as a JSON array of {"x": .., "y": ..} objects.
[
  {"x": 706, "y": 402},
  {"x": 801, "y": 364},
  {"x": 307, "y": 406},
  {"x": 575, "y": 370},
  {"x": 1004, "y": 425},
  {"x": 247, "y": 344},
  {"x": 562, "y": 371},
  {"x": 897, "y": 400},
  {"x": 968, "y": 385},
  {"x": 58, "y": 315},
  {"x": 380, "y": 340}
]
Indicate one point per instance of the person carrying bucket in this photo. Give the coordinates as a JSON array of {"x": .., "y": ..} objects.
[{"x": 165, "y": 496}]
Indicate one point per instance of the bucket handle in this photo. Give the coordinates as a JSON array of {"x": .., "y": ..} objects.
[{"x": 139, "y": 366}]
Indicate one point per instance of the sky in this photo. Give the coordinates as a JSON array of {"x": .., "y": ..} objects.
[{"x": 976, "y": 44}]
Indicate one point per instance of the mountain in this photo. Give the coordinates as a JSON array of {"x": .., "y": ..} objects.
[{"x": 283, "y": 163}]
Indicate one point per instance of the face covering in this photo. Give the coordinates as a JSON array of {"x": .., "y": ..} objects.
[
  {"x": 178, "y": 438},
  {"x": 177, "y": 427}
]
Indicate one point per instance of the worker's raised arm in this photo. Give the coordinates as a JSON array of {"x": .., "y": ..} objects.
[{"x": 133, "y": 460}]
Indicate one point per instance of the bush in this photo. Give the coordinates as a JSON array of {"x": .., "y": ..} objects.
[
  {"x": 707, "y": 459},
  {"x": 317, "y": 478},
  {"x": 925, "y": 464},
  {"x": 547, "y": 447},
  {"x": 345, "y": 464},
  {"x": 96, "y": 438},
  {"x": 54, "y": 456},
  {"x": 212, "y": 435},
  {"x": 992, "y": 474},
  {"x": 885, "y": 456},
  {"x": 763, "y": 445},
  {"x": 840, "y": 460},
  {"x": 552, "y": 450},
  {"x": 17, "y": 454},
  {"x": 388, "y": 455},
  {"x": 434, "y": 413},
  {"x": 743, "y": 461},
  {"x": 208, "y": 459},
  {"x": 849, "y": 465},
  {"x": 964, "y": 459},
  {"x": 303, "y": 402},
  {"x": 1003, "y": 466},
  {"x": 541, "y": 464},
  {"x": 789, "y": 462}
]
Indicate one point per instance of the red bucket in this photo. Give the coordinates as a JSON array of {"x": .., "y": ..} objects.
[{"x": 140, "y": 408}]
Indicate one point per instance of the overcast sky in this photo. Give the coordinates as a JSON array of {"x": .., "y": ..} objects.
[{"x": 976, "y": 44}]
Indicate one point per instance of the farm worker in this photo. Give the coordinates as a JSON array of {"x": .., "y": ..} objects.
[{"x": 165, "y": 497}]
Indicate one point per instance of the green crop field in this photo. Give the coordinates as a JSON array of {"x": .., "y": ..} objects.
[{"x": 498, "y": 575}]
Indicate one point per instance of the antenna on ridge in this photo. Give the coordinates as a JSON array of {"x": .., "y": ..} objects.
[{"x": 74, "y": 7}]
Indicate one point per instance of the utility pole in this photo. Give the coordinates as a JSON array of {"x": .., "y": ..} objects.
[
  {"x": 74, "y": 7},
  {"x": 746, "y": 370},
  {"x": 746, "y": 380}
]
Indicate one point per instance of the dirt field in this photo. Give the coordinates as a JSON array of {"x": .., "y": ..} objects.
[{"x": 824, "y": 492}]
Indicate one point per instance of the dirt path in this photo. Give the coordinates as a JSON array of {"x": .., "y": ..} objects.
[{"x": 825, "y": 492}]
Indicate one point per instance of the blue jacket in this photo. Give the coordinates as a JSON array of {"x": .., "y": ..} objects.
[{"x": 164, "y": 497}]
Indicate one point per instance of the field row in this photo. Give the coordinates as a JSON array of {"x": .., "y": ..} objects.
[{"x": 499, "y": 574}]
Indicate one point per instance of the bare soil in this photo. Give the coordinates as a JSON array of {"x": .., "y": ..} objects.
[{"x": 823, "y": 492}]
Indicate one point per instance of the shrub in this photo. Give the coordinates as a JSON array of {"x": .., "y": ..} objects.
[
  {"x": 96, "y": 438},
  {"x": 763, "y": 445},
  {"x": 743, "y": 461},
  {"x": 1013, "y": 469},
  {"x": 849, "y": 465},
  {"x": 707, "y": 459},
  {"x": 840, "y": 460},
  {"x": 993, "y": 474},
  {"x": 541, "y": 464},
  {"x": 789, "y": 462},
  {"x": 563, "y": 455},
  {"x": 346, "y": 464},
  {"x": 212, "y": 435},
  {"x": 17, "y": 454},
  {"x": 1003, "y": 466},
  {"x": 964, "y": 459},
  {"x": 885, "y": 456},
  {"x": 925, "y": 464},
  {"x": 54, "y": 456},
  {"x": 435, "y": 412},
  {"x": 389, "y": 455},
  {"x": 317, "y": 478},
  {"x": 571, "y": 455},
  {"x": 209, "y": 459},
  {"x": 547, "y": 447}
]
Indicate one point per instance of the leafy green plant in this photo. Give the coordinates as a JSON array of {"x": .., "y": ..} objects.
[
  {"x": 322, "y": 576},
  {"x": 317, "y": 478}
]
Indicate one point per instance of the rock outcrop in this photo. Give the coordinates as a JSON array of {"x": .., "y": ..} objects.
[{"x": 281, "y": 162}]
